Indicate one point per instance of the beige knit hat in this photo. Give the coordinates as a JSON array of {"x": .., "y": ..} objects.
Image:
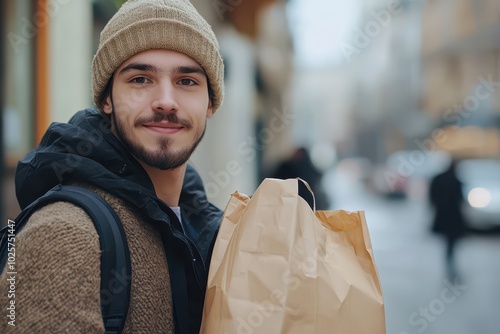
[{"x": 141, "y": 25}]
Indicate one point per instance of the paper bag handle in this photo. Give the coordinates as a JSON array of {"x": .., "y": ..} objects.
[{"x": 306, "y": 193}]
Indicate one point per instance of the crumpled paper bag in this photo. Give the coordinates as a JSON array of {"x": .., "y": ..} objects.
[{"x": 278, "y": 266}]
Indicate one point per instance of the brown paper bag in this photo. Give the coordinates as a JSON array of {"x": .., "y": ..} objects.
[{"x": 280, "y": 267}]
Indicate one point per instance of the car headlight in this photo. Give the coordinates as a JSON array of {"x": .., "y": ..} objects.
[{"x": 479, "y": 197}]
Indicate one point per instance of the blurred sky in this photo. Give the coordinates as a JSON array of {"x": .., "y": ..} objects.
[{"x": 318, "y": 26}]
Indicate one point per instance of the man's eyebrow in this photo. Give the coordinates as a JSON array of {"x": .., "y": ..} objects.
[
  {"x": 139, "y": 67},
  {"x": 188, "y": 70}
]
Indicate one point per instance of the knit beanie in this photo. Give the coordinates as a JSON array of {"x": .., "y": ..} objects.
[{"x": 141, "y": 25}]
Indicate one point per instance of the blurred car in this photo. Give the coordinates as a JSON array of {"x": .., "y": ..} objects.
[
  {"x": 408, "y": 173},
  {"x": 481, "y": 190}
]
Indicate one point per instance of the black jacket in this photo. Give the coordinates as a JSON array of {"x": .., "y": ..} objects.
[
  {"x": 85, "y": 151},
  {"x": 447, "y": 198}
]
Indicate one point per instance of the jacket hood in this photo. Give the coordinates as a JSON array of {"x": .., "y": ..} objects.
[{"x": 85, "y": 151}]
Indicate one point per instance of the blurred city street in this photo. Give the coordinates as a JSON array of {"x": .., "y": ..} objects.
[{"x": 410, "y": 261}]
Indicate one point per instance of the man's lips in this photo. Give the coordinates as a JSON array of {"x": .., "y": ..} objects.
[{"x": 164, "y": 127}]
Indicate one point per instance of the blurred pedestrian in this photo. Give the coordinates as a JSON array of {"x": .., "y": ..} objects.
[
  {"x": 301, "y": 165},
  {"x": 447, "y": 198}
]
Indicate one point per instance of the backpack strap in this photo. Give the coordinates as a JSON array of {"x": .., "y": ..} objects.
[{"x": 115, "y": 256}]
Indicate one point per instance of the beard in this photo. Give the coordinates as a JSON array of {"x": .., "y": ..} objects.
[{"x": 163, "y": 157}]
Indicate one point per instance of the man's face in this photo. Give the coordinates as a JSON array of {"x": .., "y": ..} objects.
[{"x": 159, "y": 107}]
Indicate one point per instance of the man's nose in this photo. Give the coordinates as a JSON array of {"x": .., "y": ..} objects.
[{"x": 165, "y": 98}]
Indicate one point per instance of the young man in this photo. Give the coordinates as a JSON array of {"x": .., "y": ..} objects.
[{"x": 157, "y": 78}]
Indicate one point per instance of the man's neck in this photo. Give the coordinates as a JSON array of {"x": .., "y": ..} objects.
[{"x": 167, "y": 183}]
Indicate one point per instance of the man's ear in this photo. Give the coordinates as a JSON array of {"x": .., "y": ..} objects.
[
  {"x": 107, "y": 106},
  {"x": 210, "y": 110}
]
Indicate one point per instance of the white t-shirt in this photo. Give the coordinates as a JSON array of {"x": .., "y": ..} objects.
[{"x": 177, "y": 211}]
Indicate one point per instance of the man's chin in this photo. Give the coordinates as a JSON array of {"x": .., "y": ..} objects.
[{"x": 165, "y": 162}]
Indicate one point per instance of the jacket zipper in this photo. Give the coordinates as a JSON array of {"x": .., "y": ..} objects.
[{"x": 193, "y": 263}]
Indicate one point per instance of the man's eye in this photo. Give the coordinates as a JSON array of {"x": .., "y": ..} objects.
[
  {"x": 187, "y": 82},
  {"x": 139, "y": 80}
]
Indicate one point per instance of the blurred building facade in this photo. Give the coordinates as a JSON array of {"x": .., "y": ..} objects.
[
  {"x": 388, "y": 71},
  {"x": 410, "y": 69},
  {"x": 47, "y": 54},
  {"x": 461, "y": 62},
  {"x": 251, "y": 125}
]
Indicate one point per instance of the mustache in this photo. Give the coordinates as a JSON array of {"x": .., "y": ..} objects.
[{"x": 169, "y": 117}]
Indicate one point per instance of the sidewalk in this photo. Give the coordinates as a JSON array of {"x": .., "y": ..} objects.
[{"x": 410, "y": 260}]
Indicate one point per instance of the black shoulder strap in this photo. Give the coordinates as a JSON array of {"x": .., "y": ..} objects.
[{"x": 115, "y": 256}]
